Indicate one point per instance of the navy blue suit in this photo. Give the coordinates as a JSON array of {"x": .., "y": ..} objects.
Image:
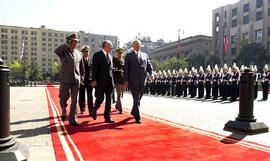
[{"x": 135, "y": 69}]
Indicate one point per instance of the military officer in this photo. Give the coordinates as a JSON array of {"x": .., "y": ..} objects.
[
  {"x": 265, "y": 82},
  {"x": 216, "y": 82},
  {"x": 179, "y": 86},
  {"x": 234, "y": 82},
  {"x": 208, "y": 81},
  {"x": 201, "y": 82},
  {"x": 185, "y": 82},
  {"x": 225, "y": 82},
  {"x": 70, "y": 77},
  {"x": 173, "y": 83}
]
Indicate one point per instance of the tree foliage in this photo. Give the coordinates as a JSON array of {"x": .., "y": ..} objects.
[
  {"x": 252, "y": 53},
  {"x": 56, "y": 71}
]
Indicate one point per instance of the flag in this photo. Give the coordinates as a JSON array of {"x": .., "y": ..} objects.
[
  {"x": 179, "y": 43},
  {"x": 21, "y": 55},
  {"x": 225, "y": 43}
]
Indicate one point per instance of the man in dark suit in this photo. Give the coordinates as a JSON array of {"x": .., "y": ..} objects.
[
  {"x": 86, "y": 84},
  {"x": 71, "y": 75},
  {"x": 137, "y": 64},
  {"x": 102, "y": 79}
]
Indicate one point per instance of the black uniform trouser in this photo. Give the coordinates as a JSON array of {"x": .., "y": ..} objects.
[
  {"x": 201, "y": 90},
  {"x": 99, "y": 93},
  {"x": 208, "y": 90},
  {"x": 185, "y": 90},
  {"x": 88, "y": 89},
  {"x": 225, "y": 91},
  {"x": 215, "y": 91},
  {"x": 265, "y": 90},
  {"x": 173, "y": 89},
  {"x": 234, "y": 91},
  {"x": 255, "y": 90}
]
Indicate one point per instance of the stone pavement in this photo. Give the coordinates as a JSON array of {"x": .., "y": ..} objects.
[
  {"x": 30, "y": 117},
  {"x": 30, "y": 121}
]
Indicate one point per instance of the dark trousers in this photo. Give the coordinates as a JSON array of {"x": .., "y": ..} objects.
[
  {"x": 208, "y": 90},
  {"x": 89, "y": 90},
  {"x": 99, "y": 93},
  {"x": 137, "y": 93},
  {"x": 234, "y": 91},
  {"x": 265, "y": 90},
  {"x": 201, "y": 90},
  {"x": 185, "y": 90},
  {"x": 215, "y": 91},
  {"x": 255, "y": 90}
]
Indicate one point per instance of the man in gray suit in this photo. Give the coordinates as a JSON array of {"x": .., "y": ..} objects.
[
  {"x": 137, "y": 64},
  {"x": 71, "y": 73}
]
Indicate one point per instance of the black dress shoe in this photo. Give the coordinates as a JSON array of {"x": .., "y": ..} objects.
[
  {"x": 74, "y": 124},
  {"x": 120, "y": 112},
  {"x": 109, "y": 121},
  {"x": 63, "y": 118},
  {"x": 94, "y": 114},
  {"x": 138, "y": 121},
  {"x": 82, "y": 112}
]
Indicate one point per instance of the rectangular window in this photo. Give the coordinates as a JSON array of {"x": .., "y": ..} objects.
[
  {"x": 55, "y": 34},
  {"x": 49, "y": 39},
  {"x": 268, "y": 11},
  {"x": 225, "y": 14},
  {"x": 246, "y": 7},
  {"x": 259, "y": 34},
  {"x": 233, "y": 51},
  {"x": 234, "y": 12},
  {"x": 234, "y": 39},
  {"x": 246, "y": 19},
  {"x": 258, "y": 15},
  {"x": 268, "y": 43},
  {"x": 43, "y": 33},
  {"x": 268, "y": 31},
  {"x": 234, "y": 23},
  {"x": 246, "y": 35},
  {"x": 259, "y": 3},
  {"x": 55, "y": 40},
  {"x": 49, "y": 34},
  {"x": 61, "y": 35}
]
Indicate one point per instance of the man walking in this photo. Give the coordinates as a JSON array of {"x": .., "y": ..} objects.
[
  {"x": 70, "y": 77},
  {"x": 86, "y": 84},
  {"x": 137, "y": 64},
  {"x": 103, "y": 79}
]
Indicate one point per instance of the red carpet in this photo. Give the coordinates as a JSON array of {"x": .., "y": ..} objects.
[{"x": 155, "y": 139}]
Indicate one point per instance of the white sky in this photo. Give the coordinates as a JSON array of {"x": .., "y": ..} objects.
[{"x": 122, "y": 18}]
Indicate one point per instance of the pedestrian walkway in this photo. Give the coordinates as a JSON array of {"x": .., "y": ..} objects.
[{"x": 30, "y": 117}]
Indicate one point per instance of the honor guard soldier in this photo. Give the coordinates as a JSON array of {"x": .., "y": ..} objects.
[
  {"x": 265, "y": 82},
  {"x": 173, "y": 83},
  {"x": 216, "y": 82},
  {"x": 220, "y": 82},
  {"x": 147, "y": 85},
  {"x": 201, "y": 82},
  {"x": 158, "y": 83},
  {"x": 256, "y": 77},
  {"x": 179, "y": 86},
  {"x": 153, "y": 84},
  {"x": 163, "y": 83},
  {"x": 86, "y": 84},
  {"x": 193, "y": 83},
  {"x": 234, "y": 81},
  {"x": 225, "y": 83},
  {"x": 208, "y": 81},
  {"x": 168, "y": 83},
  {"x": 185, "y": 82}
]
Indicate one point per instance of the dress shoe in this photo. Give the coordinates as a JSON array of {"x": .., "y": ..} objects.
[
  {"x": 109, "y": 121},
  {"x": 63, "y": 118},
  {"x": 94, "y": 114},
  {"x": 82, "y": 112},
  {"x": 138, "y": 121},
  {"x": 120, "y": 112},
  {"x": 74, "y": 124}
]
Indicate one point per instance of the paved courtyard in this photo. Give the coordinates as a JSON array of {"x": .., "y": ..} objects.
[{"x": 30, "y": 118}]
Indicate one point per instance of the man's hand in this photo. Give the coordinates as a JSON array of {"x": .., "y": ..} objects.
[
  {"x": 126, "y": 84},
  {"x": 94, "y": 83},
  {"x": 82, "y": 83},
  {"x": 152, "y": 78}
]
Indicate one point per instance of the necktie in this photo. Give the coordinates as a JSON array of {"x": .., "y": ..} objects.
[
  {"x": 139, "y": 58},
  {"x": 108, "y": 59}
]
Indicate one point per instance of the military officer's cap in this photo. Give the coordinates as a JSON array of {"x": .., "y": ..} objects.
[
  {"x": 221, "y": 70},
  {"x": 216, "y": 67},
  {"x": 252, "y": 68},
  {"x": 71, "y": 38},
  {"x": 201, "y": 69},
  {"x": 173, "y": 72},
  {"x": 185, "y": 70},
  {"x": 119, "y": 50},
  {"x": 85, "y": 48},
  {"x": 242, "y": 68},
  {"x": 266, "y": 67},
  {"x": 230, "y": 70},
  {"x": 208, "y": 68},
  {"x": 180, "y": 70},
  {"x": 255, "y": 68},
  {"x": 169, "y": 72},
  {"x": 234, "y": 66},
  {"x": 225, "y": 66}
]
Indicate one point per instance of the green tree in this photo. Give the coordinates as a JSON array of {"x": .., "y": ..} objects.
[
  {"x": 212, "y": 59},
  {"x": 56, "y": 71},
  {"x": 196, "y": 61},
  {"x": 252, "y": 53},
  {"x": 34, "y": 72},
  {"x": 16, "y": 70}
]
